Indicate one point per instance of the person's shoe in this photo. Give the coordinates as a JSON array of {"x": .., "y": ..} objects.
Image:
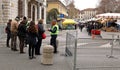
[
  {"x": 33, "y": 57},
  {"x": 30, "y": 57},
  {"x": 12, "y": 49},
  {"x": 55, "y": 52},
  {"x": 8, "y": 46},
  {"x": 15, "y": 49},
  {"x": 22, "y": 52},
  {"x": 38, "y": 54}
]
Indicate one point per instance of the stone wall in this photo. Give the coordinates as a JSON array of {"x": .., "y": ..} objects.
[
  {"x": 14, "y": 9},
  {"x": 8, "y": 10},
  {"x": 0, "y": 11}
]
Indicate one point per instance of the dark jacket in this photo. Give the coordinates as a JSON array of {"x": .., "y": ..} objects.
[
  {"x": 22, "y": 30},
  {"x": 32, "y": 38},
  {"x": 40, "y": 31},
  {"x": 8, "y": 28}
]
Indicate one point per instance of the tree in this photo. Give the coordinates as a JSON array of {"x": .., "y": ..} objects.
[
  {"x": 108, "y": 6},
  {"x": 71, "y": 9},
  {"x": 117, "y": 8},
  {"x": 52, "y": 14},
  {"x": 67, "y": 2}
]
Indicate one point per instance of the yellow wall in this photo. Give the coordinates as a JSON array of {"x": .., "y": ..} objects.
[
  {"x": 51, "y": 6},
  {"x": 58, "y": 6}
]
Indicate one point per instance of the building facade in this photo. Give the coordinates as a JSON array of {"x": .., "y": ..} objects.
[
  {"x": 8, "y": 10},
  {"x": 58, "y": 5},
  {"x": 88, "y": 13},
  {"x": 1, "y": 20},
  {"x": 33, "y": 9}
]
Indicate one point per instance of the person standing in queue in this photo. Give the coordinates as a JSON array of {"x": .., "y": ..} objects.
[
  {"x": 32, "y": 39},
  {"x": 40, "y": 32},
  {"x": 54, "y": 33},
  {"x": 8, "y": 31},
  {"x": 14, "y": 30},
  {"x": 22, "y": 35}
]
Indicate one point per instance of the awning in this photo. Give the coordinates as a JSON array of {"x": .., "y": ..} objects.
[
  {"x": 69, "y": 21},
  {"x": 109, "y": 15}
]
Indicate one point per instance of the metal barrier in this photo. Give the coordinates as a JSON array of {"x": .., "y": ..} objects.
[
  {"x": 70, "y": 51},
  {"x": 92, "y": 54}
]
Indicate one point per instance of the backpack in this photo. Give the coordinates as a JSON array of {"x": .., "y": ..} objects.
[{"x": 7, "y": 29}]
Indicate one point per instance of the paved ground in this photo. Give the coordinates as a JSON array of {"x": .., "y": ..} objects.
[{"x": 89, "y": 56}]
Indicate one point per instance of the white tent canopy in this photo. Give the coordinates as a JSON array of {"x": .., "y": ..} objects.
[
  {"x": 118, "y": 22},
  {"x": 109, "y": 15}
]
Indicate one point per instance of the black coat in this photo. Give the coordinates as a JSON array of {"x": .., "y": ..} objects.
[
  {"x": 32, "y": 38},
  {"x": 22, "y": 30},
  {"x": 40, "y": 31}
]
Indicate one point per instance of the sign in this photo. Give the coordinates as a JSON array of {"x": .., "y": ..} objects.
[{"x": 61, "y": 15}]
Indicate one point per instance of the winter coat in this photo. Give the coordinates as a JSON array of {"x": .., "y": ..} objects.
[
  {"x": 22, "y": 30},
  {"x": 40, "y": 31},
  {"x": 14, "y": 26}
]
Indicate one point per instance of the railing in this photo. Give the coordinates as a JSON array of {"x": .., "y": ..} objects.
[{"x": 70, "y": 51}]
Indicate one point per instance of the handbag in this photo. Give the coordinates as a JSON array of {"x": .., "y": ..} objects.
[{"x": 43, "y": 35}]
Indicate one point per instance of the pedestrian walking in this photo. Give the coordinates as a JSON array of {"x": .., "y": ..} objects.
[
  {"x": 40, "y": 32},
  {"x": 14, "y": 30},
  {"x": 90, "y": 27},
  {"x": 81, "y": 26},
  {"x": 32, "y": 39},
  {"x": 54, "y": 33},
  {"x": 22, "y": 35},
  {"x": 7, "y": 29}
]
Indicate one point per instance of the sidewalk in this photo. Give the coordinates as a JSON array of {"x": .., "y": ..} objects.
[{"x": 10, "y": 60}]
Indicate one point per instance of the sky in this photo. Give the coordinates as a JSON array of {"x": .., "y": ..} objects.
[{"x": 83, "y": 4}]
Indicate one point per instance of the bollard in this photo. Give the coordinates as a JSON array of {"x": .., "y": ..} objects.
[{"x": 47, "y": 57}]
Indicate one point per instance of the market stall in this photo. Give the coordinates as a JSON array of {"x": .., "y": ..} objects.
[
  {"x": 110, "y": 27},
  {"x": 69, "y": 24},
  {"x": 109, "y": 15}
]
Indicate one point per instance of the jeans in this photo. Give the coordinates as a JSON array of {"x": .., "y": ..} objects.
[
  {"x": 8, "y": 39},
  {"x": 13, "y": 41},
  {"x": 31, "y": 50},
  {"x": 21, "y": 44},
  {"x": 37, "y": 48}
]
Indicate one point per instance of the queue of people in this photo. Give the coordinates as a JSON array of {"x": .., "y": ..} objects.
[{"x": 30, "y": 34}]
